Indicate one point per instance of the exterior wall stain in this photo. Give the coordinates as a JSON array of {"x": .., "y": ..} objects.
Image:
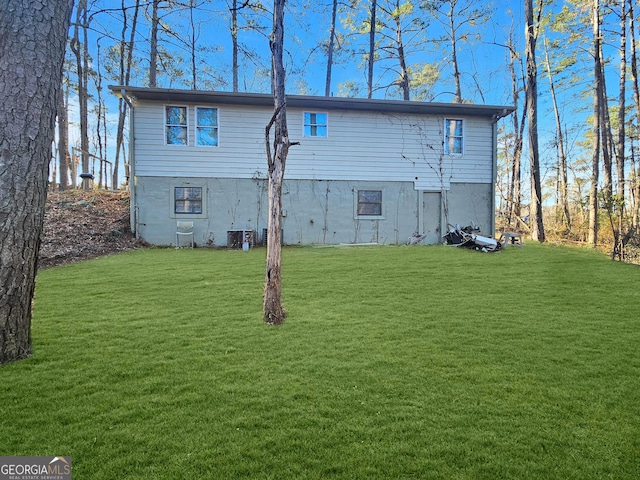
[
  {"x": 393, "y": 147},
  {"x": 314, "y": 211}
]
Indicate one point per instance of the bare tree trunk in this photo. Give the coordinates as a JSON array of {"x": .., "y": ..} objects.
[
  {"x": 372, "y": 49},
  {"x": 79, "y": 49},
  {"x": 274, "y": 312},
  {"x": 332, "y": 38},
  {"x": 619, "y": 206},
  {"x": 31, "y": 57},
  {"x": 595, "y": 162},
  {"x": 73, "y": 165},
  {"x": 63, "y": 137},
  {"x": 516, "y": 172},
  {"x": 192, "y": 47},
  {"x": 125, "y": 77},
  {"x": 515, "y": 189},
  {"x": 100, "y": 111},
  {"x": 636, "y": 97},
  {"x": 454, "y": 55},
  {"x": 234, "y": 41},
  {"x": 562, "y": 156},
  {"x": 634, "y": 190},
  {"x": 404, "y": 74},
  {"x": 635, "y": 81},
  {"x": 535, "y": 213},
  {"x": 620, "y": 145},
  {"x": 153, "y": 54},
  {"x": 593, "y": 192},
  {"x": 606, "y": 142}
]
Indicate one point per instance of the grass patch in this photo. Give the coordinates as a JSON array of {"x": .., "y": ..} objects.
[{"x": 394, "y": 362}]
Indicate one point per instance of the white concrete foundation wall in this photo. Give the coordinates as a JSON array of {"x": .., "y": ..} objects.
[
  {"x": 471, "y": 203},
  {"x": 314, "y": 211}
]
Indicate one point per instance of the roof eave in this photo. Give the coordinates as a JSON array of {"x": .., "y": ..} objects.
[{"x": 303, "y": 101}]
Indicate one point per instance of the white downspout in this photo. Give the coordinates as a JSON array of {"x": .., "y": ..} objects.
[{"x": 133, "y": 208}]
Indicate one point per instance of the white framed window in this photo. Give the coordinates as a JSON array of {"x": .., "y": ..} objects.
[
  {"x": 369, "y": 204},
  {"x": 453, "y": 137},
  {"x": 207, "y": 126},
  {"x": 176, "y": 125},
  {"x": 315, "y": 124}
]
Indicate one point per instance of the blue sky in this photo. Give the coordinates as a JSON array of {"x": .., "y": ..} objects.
[
  {"x": 305, "y": 29},
  {"x": 482, "y": 61}
]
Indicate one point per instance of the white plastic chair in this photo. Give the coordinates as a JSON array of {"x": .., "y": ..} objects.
[{"x": 184, "y": 229}]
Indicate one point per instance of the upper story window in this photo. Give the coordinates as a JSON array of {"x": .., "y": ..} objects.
[
  {"x": 176, "y": 125},
  {"x": 453, "y": 137},
  {"x": 369, "y": 203},
  {"x": 315, "y": 124},
  {"x": 207, "y": 126}
]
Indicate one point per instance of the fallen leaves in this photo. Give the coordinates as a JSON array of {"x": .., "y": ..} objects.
[{"x": 80, "y": 225}]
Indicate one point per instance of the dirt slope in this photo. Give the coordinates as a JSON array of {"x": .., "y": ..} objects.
[{"x": 80, "y": 225}]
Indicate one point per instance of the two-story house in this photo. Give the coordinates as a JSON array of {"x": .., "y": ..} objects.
[{"x": 364, "y": 171}]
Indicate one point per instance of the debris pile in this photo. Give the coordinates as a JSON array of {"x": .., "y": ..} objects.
[{"x": 469, "y": 237}]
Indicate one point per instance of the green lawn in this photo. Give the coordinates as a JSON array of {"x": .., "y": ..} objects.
[{"x": 394, "y": 362}]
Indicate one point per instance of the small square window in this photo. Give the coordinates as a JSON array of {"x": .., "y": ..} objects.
[
  {"x": 207, "y": 127},
  {"x": 370, "y": 203},
  {"x": 188, "y": 200},
  {"x": 453, "y": 137},
  {"x": 176, "y": 127},
  {"x": 315, "y": 124}
]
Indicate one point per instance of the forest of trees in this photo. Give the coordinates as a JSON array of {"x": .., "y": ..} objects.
[{"x": 568, "y": 155}]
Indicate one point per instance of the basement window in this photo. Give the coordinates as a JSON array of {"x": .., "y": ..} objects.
[
  {"x": 188, "y": 200},
  {"x": 315, "y": 124},
  {"x": 176, "y": 126},
  {"x": 369, "y": 203},
  {"x": 453, "y": 137}
]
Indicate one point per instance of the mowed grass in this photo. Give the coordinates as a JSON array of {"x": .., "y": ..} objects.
[{"x": 394, "y": 362}]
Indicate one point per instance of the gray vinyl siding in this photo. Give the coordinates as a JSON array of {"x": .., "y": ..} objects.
[{"x": 364, "y": 146}]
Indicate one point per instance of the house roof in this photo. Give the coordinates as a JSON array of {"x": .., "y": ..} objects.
[{"x": 315, "y": 102}]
